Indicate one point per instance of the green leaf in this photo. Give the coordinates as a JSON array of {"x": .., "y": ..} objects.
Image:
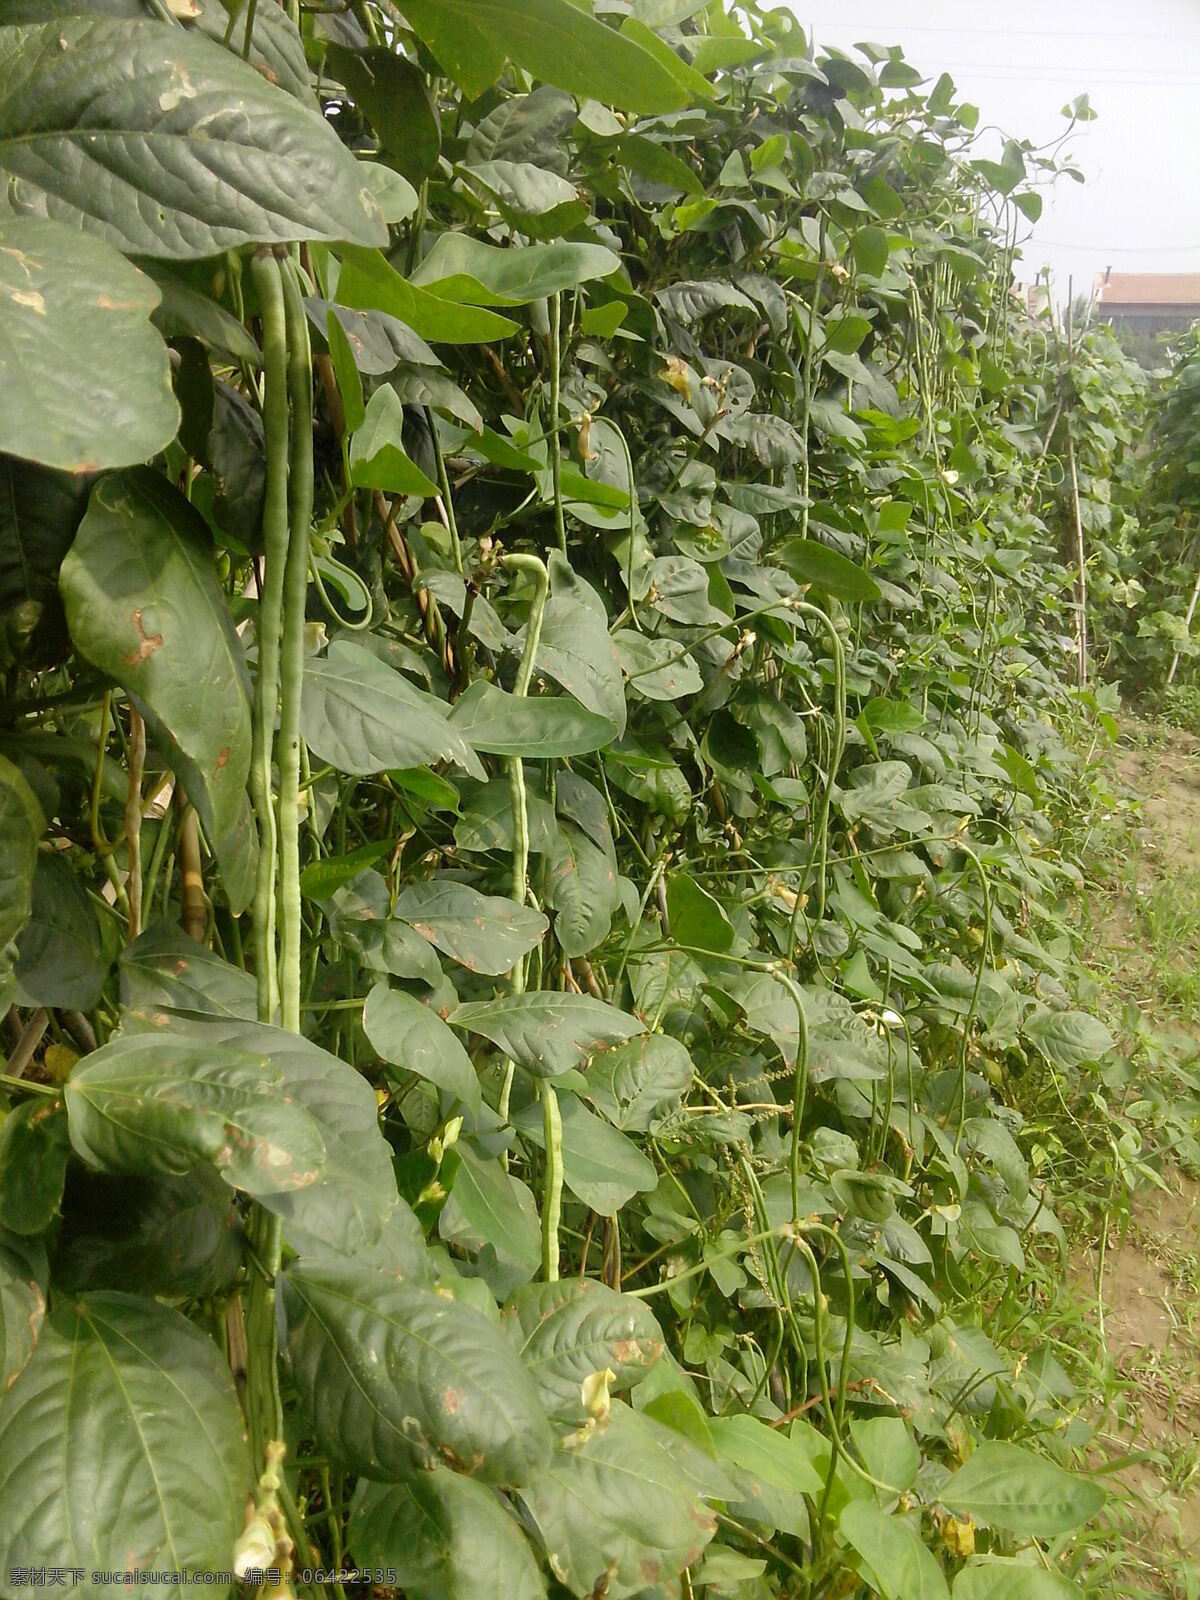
[
  {"x": 60, "y": 957},
  {"x": 581, "y": 889},
  {"x": 23, "y": 1274},
  {"x": 367, "y": 282},
  {"x": 601, "y": 1167},
  {"x": 396, "y": 1379},
  {"x": 377, "y": 455},
  {"x": 87, "y": 379},
  {"x": 144, "y": 605},
  {"x": 538, "y": 727},
  {"x": 1068, "y": 1038},
  {"x": 811, "y": 562},
  {"x": 21, "y": 826},
  {"x": 168, "y": 1236},
  {"x": 410, "y": 1035},
  {"x": 576, "y": 648},
  {"x": 446, "y": 1537},
  {"x": 1005, "y": 1486},
  {"x": 168, "y": 145},
  {"x": 33, "y": 1166},
  {"x": 320, "y": 878},
  {"x": 164, "y": 967},
  {"x": 637, "y": 1083},
  {"x": 616, "y": 1507},
  {"x": 464, "y": 269},
  {"x": 394, "y": 95},
  {"x": 766, "y": 1453},
  {"x": 493, "y": 1214},
  {"x": 697, "y": 920},
  {"x": 362, "y": 716},
  {"x": 553, "y": 40},
  {"x": 161, "y": 1106},
  {"x": 888, "y": 1450},
  {"x": 569, "y": 1330},
  {"x": 122, "y": 1448},
  {"x": 353, "y": 1194},
  {"x": 345, "y": 368},
  {"x": 903, "y": 1568},
  {"x": 1000, "y": 1578},
  {"x": 484, "y": 933},
  {"x": 547, "y": 1032}
]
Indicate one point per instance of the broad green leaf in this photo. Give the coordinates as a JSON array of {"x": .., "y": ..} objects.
[
  {"x": 570, "y": 1330},
  {"x": 1068, "y": 1038},
  {"x": 412, "y": 1036},
  {"x": 320, "y": 879},
  {"x": 394, "y": 95},
  {"x": 362, "y": 716},
  {"x": 766, "y": 1453},
  {"x": 601, "y": 1167},
  {"x": 163, "y": 967},
  {"x": 617, "y": 1507},
  {"x": 396, "y": 1379},
  {"x": 368, "y": 282},
  {"x": 576, "y": 648},
  {"x": 902, "y": 1566},
  {"x": 659, "y": 669},
  {"x": 697, "y": 920},
  {"x": 581, "y": 889},
  {"x": 144, "y": 605},
  {"x": 122, "y": 1448},
  {"x": 808, "y": 561},
  {"x": 888, "y": 1450},
  {"x": 168, "y": 1236},
  {"x": 33, "y": 1166},
  {"x": 492, "y": 1214},
  {"x": 21, "y": 826},
  {"x": 484, "y": 933},
  {"x": 636, "y": 1083},
  {"x": 87, "y": 380},
  {"x": 548, "y": 1033},
  {"x": 1008, "y": 1487},
  {"x": 162, "y": 1105},
  {"x": 446, "y": 1537},
  {"x": 377, "y": 456},
  {"x": 168, "y": 145},
  {"x": 23, "y": 1274},
  {"x": 352, "y": 1195},
  {"x": 552, "y": 39},
  {"x": 60, "y": 957},
  {"x": 538, "y": 727},
  {"x": 1000, "y": 1578},
  {"x": 464, "y": 269},
  {"x": 541, "y": 203}
]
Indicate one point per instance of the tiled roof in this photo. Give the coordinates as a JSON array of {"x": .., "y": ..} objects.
[{"x": 1151, "y": 289}]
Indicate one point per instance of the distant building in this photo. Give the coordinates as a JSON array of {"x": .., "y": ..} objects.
[
  {"x": 1034, "y": 298},
  {"x": 1152, "y": 302}
]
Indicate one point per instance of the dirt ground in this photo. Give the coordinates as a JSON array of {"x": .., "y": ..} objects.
[{"x": 1150, "y": 1286}]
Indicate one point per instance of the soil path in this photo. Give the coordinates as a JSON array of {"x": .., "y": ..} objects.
[{"x": 1150, "y": 1285}]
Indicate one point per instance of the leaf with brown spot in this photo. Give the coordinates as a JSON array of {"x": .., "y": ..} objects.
[
  {"x": 568, "y": 1330},
  {"x": 158, "y": 1104},
  {"x": 484, "y": 933}
]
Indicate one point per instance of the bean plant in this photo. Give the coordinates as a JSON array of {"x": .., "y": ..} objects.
[{"x": 537, "y": 687}]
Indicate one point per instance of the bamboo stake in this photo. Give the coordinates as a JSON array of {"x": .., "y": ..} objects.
[{"x": 1081, "y": 591}]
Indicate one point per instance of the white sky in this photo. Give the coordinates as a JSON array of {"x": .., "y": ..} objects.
[{"x": 1020, "y": 62}]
